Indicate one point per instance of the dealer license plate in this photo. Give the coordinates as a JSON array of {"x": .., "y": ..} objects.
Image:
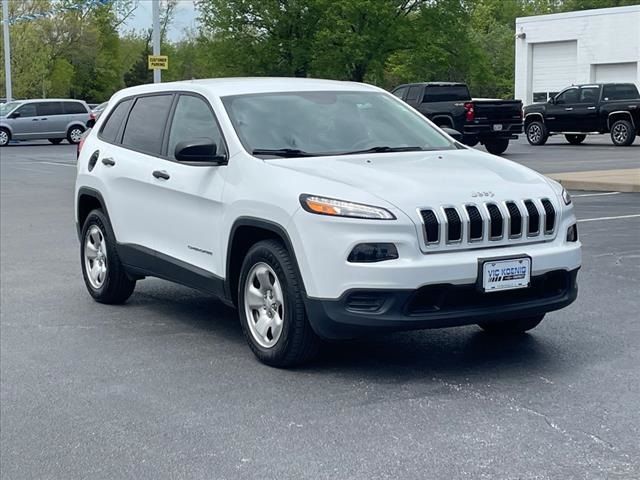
[
  {"x": 497, "y": 127},
  {"x": 498, "y": 275}
]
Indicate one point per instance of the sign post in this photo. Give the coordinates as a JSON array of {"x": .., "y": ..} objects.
[
  {"x": 7, "y": 50},
  {"x": 155, "y": 10}
]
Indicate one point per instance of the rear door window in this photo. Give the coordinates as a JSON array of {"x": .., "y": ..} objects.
[
  {"x": 145, "y": 127},
  {"x": 111, "y": 127},
  {"x": 620, "y": 92},
  {"x": 73, "y": 108},
  {"x": 589, "y": 94},
  {"x": 49, "y": 108},
  {"x": 446, "y": 93}
]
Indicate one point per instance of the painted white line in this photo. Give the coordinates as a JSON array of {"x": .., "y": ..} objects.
[
  {"x": 608, "y": 218},
  {"x": 595, "y": 194},
  {"x": 59, "y": 164}
]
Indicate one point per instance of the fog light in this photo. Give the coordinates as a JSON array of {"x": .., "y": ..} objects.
[
  {"x": 572, "y": 233},
  {"x": 373, "y": 252}
]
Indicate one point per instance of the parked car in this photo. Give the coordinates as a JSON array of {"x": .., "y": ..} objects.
[
  {"x": 490, "y": 122},
  {"x": 96, "y": 112},
  {"x": 582, "y": 110},
  {"x": 320, "y": 209},
  {"x": 51, "y": 119}
]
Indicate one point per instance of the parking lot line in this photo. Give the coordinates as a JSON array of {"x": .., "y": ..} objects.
[
  {"x": 608, "y": 218},
  {"x": 595, "y": 194}
]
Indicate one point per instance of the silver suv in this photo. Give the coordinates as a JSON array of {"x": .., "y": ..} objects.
[{"x": 52, "y": 119}]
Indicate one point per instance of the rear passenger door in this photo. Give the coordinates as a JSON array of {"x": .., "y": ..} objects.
[{"x": 52, "y": 119}]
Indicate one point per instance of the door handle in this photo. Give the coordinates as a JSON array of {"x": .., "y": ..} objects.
[
  {"x": 109, "y": 162},
  {"x": 591, "y": 108},
  {"x": 44, "y": 118},
  {"x": 34, "y": 119},
  {"x": 568, "y": 109},
  {"x": 161, "y": 174}
]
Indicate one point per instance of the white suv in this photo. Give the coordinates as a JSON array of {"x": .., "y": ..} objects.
[{"x": 321, "y": 209}]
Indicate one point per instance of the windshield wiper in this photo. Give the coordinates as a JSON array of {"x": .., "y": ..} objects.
[
  {"x": 383, "y": 149},
  {"x": 282, "y": 152}
]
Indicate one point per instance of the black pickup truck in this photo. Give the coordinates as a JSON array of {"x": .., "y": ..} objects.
[
  {"x": 489, "y": 122},
  {"x": 582, "y": 110}
]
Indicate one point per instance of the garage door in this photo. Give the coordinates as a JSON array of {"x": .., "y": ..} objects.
[
  {"x": 553, "y": 68},
  {"x": 616, "y": 72}
]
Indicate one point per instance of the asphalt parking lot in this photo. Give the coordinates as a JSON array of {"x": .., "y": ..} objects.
[{"x": 165, "y": 386}]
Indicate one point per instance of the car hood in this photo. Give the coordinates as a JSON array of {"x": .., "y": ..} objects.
[{"x": 424, "y": 179}]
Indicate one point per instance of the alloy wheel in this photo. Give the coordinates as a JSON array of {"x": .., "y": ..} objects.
[
  {"x": 76, "y": 135},
  {"x": 535, "y": 133},
  {"x": 4, "y": 138},
  {"x": 264, "y": 305},
  {"x": 620, "y": 133},
  {"x": 95, "y": 257}
]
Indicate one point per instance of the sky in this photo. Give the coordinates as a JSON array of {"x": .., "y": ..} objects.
[{"x": 185, "y": 17}]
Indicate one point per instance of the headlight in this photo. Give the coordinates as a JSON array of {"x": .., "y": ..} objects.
[
  {"x": 566, "y": 197},
  {"x": 341, "y": 208}
]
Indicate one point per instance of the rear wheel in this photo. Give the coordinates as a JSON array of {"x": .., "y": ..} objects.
[
  {"x": 470, "y": 141},
  {"x": 496, "y": 146},
  {"x": 513, "y": 326},
  {"x": 574, "y": 139},
  {"x": 537, "y": 133},
  {"x": 271, "y": 307},
  {"x": 622, "y": 133},
  {"x": 104, "y": 275},
  {"x": 5, "y": 137},
  {"x": 55, "y": 141},
  {"x": 74, "y": 135}
]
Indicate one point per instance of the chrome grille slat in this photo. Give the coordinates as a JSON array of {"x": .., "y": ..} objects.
[{"x": 450, "y": 227}]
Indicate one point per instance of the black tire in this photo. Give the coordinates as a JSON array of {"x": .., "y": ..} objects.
[
  {"x": 74, "y": 134},
  {"x": 512, "y": 327},
  {"x": 297, "y": 342},
  {"x": 537, "y": 133},
  {"x": 56, "y": 141},
  {"x": 574, "y": 139},
  {"x": 470, "y": 141},
  {"x": 116, "y": 287},
  {"x": 622, "y": 133},
  {"x": 496, "y": 146},
  {"x": 5, "y": 137}
]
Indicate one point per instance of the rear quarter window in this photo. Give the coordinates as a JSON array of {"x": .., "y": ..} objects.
[
  {"x": 620, "y": 92},
  {"x": 111, "y": 127},
  {"x": 73, "y": 108}
]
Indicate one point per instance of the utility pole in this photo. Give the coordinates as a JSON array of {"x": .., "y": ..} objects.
[
  {"x": 155, "y": 11},
  {"x": 7, "y": 50}
]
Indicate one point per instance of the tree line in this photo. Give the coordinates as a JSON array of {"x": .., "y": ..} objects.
[{"x": 86, "y": 52}]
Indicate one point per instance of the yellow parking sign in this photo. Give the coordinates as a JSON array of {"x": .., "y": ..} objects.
[{"x": 160, "y": 62}]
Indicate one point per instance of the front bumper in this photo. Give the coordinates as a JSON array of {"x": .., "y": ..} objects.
[{"x": 358, "y": 312}]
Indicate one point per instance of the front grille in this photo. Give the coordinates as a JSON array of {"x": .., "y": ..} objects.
[
  {"x": 495, "y": 218},
  {"x": 431, "y": 226},
  {"x": 549, "y": 216},
  {"x": 534, "y": 218},
  {"x": 454, "y": 225},
  {"x": 537, "y": 217},
  {"x": 475, "y": 222}
]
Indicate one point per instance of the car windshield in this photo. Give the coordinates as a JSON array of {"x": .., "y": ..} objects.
[
  {"x": 329, "y": 123},
  {"x": 7, "y": 107}
]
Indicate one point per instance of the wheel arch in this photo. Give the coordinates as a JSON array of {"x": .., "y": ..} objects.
[
  {"x": 88, "y": 199},
  {"x": 530, "y": 117},
  {"x": 438, "y": 120},
  {"x": 619, "y": 115},
  {"x": 246, "y": 232}
]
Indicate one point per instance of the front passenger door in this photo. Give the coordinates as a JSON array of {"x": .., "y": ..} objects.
[
  {"x": 561, "y": 115},
  {"x": 190, "y": 195}
]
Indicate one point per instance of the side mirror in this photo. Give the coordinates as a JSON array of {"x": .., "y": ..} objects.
[
  {"x": 14, "y": 115},
  {"x": 455, "y": 134},
  {"x": 199, "y": 151}
]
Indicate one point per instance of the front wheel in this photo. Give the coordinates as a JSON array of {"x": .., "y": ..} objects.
[
  {"x": 537, "y": 133},
  {"x": 622, "y": 133},
  {"x": 74, "y": 135},
  {"x": 271, "y": 307},
  {"x": 496, "y": 146},
  {"x": 5, "y": 137},
  {"x": 104, "y": 275},
  {"x": 512, "y": 327},
  {"x": 574, "y": 139}
]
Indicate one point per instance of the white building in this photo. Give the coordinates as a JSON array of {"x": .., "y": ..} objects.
[{"x": 590, "y": 46}]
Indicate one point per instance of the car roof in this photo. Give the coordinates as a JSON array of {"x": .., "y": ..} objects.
[
  {"x": 434, "y": 84},
  {"x": 223, "y": 87},
  {"x": 33, "y": 100}
]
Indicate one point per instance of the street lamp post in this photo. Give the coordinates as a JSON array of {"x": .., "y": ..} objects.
[
  {"x": 155, "y": 12},
  {"x": 7, "y": 50}
]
